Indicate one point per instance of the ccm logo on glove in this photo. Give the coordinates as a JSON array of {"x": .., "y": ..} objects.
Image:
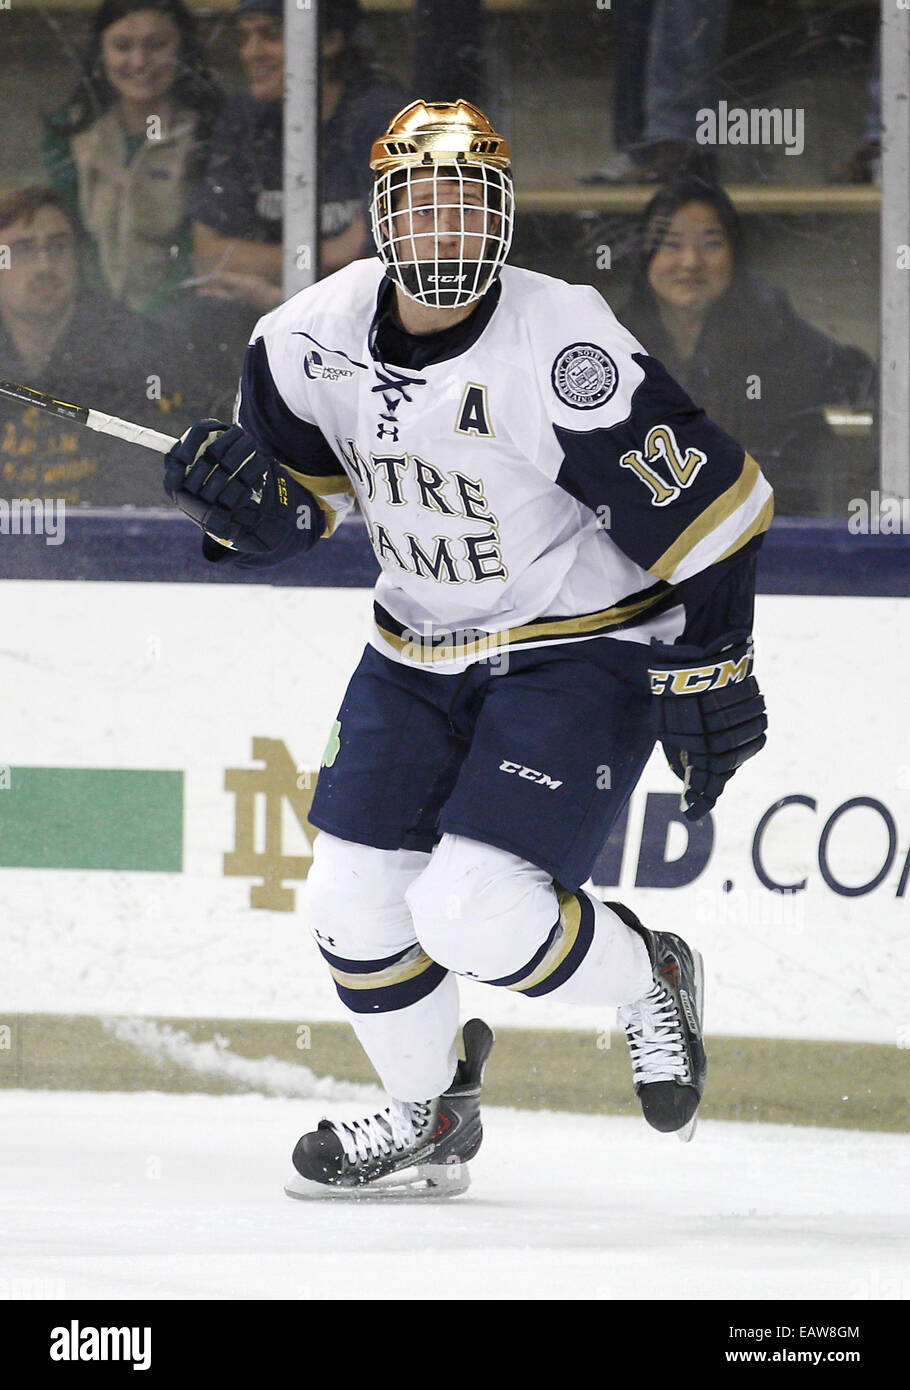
[
  {"x": 693, "y": 680},
  {"x": 709, "y": 714}
]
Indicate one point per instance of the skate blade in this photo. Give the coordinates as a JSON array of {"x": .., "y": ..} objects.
[
  {"x": 687, "y": 1133},
  {"x": 428, "y": 1181}
]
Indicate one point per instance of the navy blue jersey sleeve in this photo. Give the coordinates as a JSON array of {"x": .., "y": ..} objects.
[
  {"x": 673, "y": 490},
  {"x": 296, "y": 442},
  {"x": 719, "y": 599},
  {"x": 298, "y": 445},
  {"x": 263, "y": 413}
]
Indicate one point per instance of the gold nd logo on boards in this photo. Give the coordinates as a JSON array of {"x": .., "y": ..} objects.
[{"x": 279, "y": 783}]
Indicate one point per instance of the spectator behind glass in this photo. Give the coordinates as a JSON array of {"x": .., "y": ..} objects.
[
  {"x": 737, "y": 346},
  {"x": 78, "y": 345},
  {"x": 865, "y": 164},
  {"x": 238, "y": 208},
  {"x": 667, "y": 56},
  {"x": 127, "y": 150}
]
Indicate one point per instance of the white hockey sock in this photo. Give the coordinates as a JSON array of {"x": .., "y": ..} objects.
[
  {"x": 402, "y": 1006},
  {"x": 616, "y": 969},
  {"x": 413, "y": 1049}
]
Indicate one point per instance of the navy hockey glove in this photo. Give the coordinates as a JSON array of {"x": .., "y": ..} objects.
[
  {"x": 710, "y": 713},
  {"x": 240, "y": 496}
]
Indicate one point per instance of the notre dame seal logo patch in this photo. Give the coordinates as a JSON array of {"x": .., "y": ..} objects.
[{"x": 584, "y": 376}]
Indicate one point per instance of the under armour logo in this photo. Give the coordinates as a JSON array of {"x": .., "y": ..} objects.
[{"x": 382, "y": 430}]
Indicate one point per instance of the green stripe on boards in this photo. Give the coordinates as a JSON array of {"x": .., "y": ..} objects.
[{"x": 91, "y": 818}]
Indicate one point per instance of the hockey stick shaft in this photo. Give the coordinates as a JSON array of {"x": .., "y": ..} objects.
[{"x": 94, "y": 419}]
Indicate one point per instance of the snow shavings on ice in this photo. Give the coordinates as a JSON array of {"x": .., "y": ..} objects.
[{"x": 163, "y": 1043}]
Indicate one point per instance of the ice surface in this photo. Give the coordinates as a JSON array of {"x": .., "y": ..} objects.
[{"x": 157, "y": 1196}]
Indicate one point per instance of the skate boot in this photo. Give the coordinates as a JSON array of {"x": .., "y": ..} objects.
[
  {"x": 664, "y": 1032},
  {"x": 409, "y": 1149}
]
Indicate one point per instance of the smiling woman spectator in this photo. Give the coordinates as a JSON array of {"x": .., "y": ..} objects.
[
  {"x": 126, "y": 149},
  {"x": 735, "y": 343}
]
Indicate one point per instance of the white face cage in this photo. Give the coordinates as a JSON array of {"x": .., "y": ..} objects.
[{"x": 443, "y": 231}]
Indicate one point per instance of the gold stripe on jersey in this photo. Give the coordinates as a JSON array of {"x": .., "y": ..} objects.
[
  {"x": 622, "y": 614},
  {"x": 407, "y": 969},
  {"x": 569, "y": 923},
  {"x": 760, "y": 524},
  {"x": 336, "y": 485},
  {"x": 711, "y": 519}
]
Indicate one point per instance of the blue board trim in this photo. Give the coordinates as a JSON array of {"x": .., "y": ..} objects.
[{"x": 813, "y": 556}]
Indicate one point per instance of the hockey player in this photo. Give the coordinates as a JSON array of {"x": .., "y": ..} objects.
[{"x": 567, "y": 548}]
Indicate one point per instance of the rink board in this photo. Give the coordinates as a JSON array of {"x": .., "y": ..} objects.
[
  {"x": 219, "y": 699},
  {"x": 834, "y": 1085}
]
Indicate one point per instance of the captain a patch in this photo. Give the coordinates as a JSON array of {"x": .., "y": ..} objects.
[
  {"x": 584, "y": 376},
  {"x": 474, "y": 413}
]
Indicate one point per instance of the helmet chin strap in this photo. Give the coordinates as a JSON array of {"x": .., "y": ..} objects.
[{"x": 444, "y": 284}]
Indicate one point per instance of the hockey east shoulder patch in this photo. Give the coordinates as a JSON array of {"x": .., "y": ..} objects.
[{"x": 584, "y": 376}]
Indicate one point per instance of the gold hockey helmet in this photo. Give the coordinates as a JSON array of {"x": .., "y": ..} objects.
[
  {"x": 442, "y": 132},
  {"x": 442, "y": 209}
]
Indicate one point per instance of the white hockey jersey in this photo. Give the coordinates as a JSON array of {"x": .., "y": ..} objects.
[{"x": 547, "y": 482}]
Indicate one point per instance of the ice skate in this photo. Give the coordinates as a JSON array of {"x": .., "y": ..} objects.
[
  {"x": 409, "y": 1149},
  {"x": 664, "y": 1032}
]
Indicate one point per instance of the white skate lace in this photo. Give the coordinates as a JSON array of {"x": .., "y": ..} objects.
[
  {"x": 394, "y": 1129},
  {"x": 655, "y": 1038}
]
